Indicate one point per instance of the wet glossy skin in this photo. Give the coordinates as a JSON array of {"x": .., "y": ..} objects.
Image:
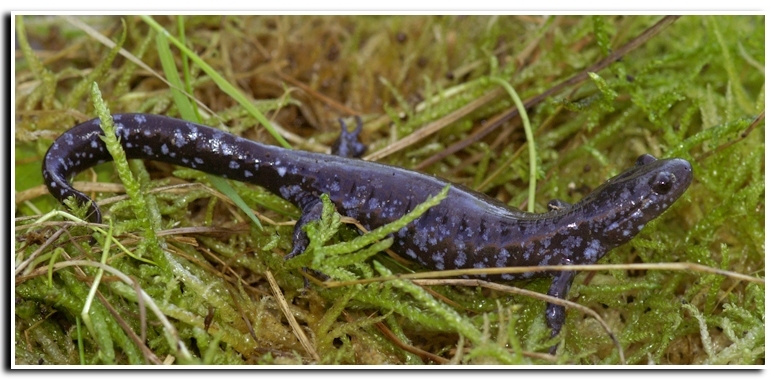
[{"x": 466, "y": 230}]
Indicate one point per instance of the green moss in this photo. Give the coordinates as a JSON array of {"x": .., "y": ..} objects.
[{"x": 692, "y": 91}]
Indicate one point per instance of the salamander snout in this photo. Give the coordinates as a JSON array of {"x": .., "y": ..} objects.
[{"x": 673, "y": 179}]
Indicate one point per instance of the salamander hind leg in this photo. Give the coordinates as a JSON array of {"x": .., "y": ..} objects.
[{"x": 348, "y": 145}]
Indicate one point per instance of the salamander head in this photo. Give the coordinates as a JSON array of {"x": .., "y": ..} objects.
[{"x": 622, "y": 206}]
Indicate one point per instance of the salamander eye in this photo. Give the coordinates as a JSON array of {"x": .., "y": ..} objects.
[
  {"x": 662, "y": 182},
  {"x": 645, "y": 159}
]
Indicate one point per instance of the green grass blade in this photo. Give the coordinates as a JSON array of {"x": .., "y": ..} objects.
[
  {"x": 223, "y": 84},
  {"x": 169, "y": 67}
]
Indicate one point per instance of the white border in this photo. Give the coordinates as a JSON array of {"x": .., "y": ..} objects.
[{"x": 441, "y": 7}]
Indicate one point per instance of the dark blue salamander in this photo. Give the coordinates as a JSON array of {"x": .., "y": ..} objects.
[{"x": 466, "y": 230}]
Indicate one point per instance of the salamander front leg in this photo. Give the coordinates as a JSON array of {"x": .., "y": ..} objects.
[
  {"x": 557, "y": 204},
  {"x": 556, "y": 314},
  {"x": 310, "y": 212}
]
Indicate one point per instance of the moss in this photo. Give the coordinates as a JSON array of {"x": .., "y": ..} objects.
[{"x": 694, "y": 91}]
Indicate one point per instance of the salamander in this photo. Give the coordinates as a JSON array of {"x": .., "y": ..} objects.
[{"x": 466, "y": 230}]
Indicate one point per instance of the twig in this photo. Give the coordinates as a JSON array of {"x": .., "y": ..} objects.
[
  {"x": 741, "y": 137},
  {"x": 297, "y": 330},
  {"x": 434, "y": 127},
  {"x": 532, "y": 294},
  {"x": 496, "y": 121},
  {"x": 409, "y": 348},
  {"x": 548, "y": 268}
]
